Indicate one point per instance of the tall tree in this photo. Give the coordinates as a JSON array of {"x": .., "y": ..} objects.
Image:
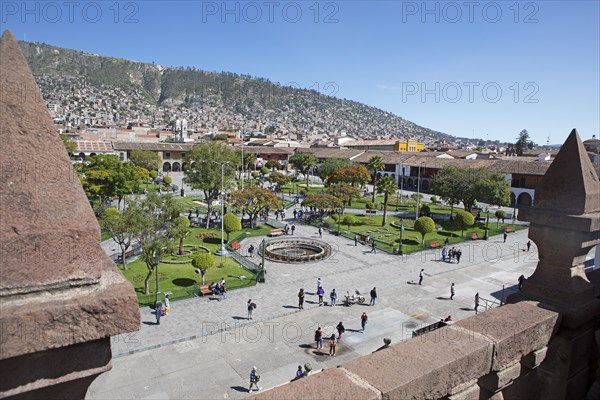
[
  {"x": 146, "y": 159},
  {"x": 522, "y": 142},
  {"x": 331, "y": 165},
  {"x": 322, "y": 202},
  {"x": 204, "y": 170},
  {"x": 303, "y": 162},
  {"x": 279, "y": 179},
  {"x": 375, "y": 164},
  {"x": 494, "y": 189},
  {"x": 120, "y": 227},
  {"x": 254, "y": 200},
  {"x": 424, "y": 225},
  {"x": 353, "y": 175},
  {"x": 157, "y": 216},
  {"x": 386, "y": 186},
  {"x": 464, "y": 219},
  {"x": 345, "y": 192},
  {"x": 181, "y": 230}
]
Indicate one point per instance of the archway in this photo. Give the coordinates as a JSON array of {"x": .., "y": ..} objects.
[
  {"x": 512, "y": 199},
  {"x": 425, "y": 184},
  {"x": 176, "y": 167},
  {"x": 409, "y": 183},
  {"x": 524, "y": 199},
  {"x": 166, "y": 167}
]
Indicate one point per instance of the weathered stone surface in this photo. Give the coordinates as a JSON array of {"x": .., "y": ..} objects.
[
  {"x": 472, "y": 392},
  {"x": 57, "y": 286},
  {"x": 515, "y": 329},
  {"x": 426, "y": 367},
  {"x": 532, "y": 360},
  {"x": 333, "y": 384},
  {"x": 61, "y": 297},
  {"x": 497, "y": 380}
]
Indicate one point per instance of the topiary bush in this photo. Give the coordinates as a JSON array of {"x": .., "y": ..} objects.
[
  {"x": 463, "y": 219},
  {"x": 424, "y": 225}
]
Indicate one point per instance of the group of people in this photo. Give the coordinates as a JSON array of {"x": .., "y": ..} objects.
[
  {"x": 280, "y": 214},
  {"x": 451, "y": 254},
  {"x": 289, "y": 228},
  {"x": 161, "y": 310},
  {"x": 218, "y": 288}
]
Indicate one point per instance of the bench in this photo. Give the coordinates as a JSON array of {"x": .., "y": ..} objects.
[
  {"x": 474, "y": 236},
  {"x": 370, "y": 212},
  {"x": 204, "y": 290},
  {"x": 508, "y": 229},
  {"x": 276, "y": 232},
  {"x": 235, "y": 245},
  {"x": 435, "y": 244}
]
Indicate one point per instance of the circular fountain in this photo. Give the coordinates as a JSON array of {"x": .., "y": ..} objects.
[{"x": 295, "y": 250}]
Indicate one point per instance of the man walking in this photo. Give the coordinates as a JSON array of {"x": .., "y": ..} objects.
[
  {"x": 458, "y": 255},
  {"x": 251, "y": 307},
  {"x": 333, "y": 297},
  {"x": 528, "y": 245},
  {"x": 301, "y": 299},
  {"x": 363, "y": 322},
  {"x": 373, "y": 247},
  {"x": 476, "y": 302},
  {"x": 452, "y": 291},
  {"x": 320, "y": 232},
  {"x": 421, "y": 276},
  {"x": 254, "y": 378},
  {"x": 293, "y": 228},
  {"x": 373, "y": 297},
  {"x": 521, "y": 280},
  {"x": 318, "y": 284},
  {"x": 319, "y": 338},
  {"x": 355, "y": 239},
  {"x": 505, "y": 235},
  {"x": 341, "y": 329},
  {"x": 320, "y": 293}
]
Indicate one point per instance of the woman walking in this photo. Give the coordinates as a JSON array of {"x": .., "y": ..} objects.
[{"x": 363, "y": 322}]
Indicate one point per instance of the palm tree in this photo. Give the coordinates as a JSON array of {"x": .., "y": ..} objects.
[
  {"x": 386, "y": 186},
  {"x": 375, "y": 164}
]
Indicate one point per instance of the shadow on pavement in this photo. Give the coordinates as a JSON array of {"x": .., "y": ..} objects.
[
  {"x": 442, "y": 298},
  {"x": 239, "y": 389}
]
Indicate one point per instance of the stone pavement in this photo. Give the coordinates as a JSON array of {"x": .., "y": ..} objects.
[{"x": 205, "y": 348}]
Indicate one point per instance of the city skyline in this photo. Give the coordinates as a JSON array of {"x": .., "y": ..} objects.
[{"x": 477, "y": 69}]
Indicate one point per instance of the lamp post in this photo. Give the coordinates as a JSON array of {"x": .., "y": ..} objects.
[
  {"x": 401, "y": 180},
  {"x": 262, "y": 278},
  {"x": 222, "y": 251},
  {"x": 401, "y": 231},
  {"x": 418, "y": 191},
  {"x": 242, "y": 137},
  {"x": 487, "y": 220},
  {"x": 156, "y": 261}
]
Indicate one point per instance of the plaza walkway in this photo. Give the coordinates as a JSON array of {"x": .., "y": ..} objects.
[{"x": 205, "y": 348}]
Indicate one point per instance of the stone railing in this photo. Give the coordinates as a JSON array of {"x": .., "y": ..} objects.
[{"x": 490, "y": 355}]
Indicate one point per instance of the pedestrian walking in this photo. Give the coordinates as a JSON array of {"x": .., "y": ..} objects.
[
  {"x": 319, "y": 338},
  {"x": 355, "y": 239},
  {"x": 251, "y": 307},
  {"x": 293, "y": 229},
  {"x": 521, "y": 280},
  {"x": 452, "y": 291},
  {"x": 301, "y": 299},
  {"x": 167, "y": 305},
  {"x": 373, "y": 247},
  {"x": 158, "y": 312},
  {"x": 333, "y": 297},
  {"x": 251, "y": 250},
  {"x": 363, "y": 322},
  {"x": 458, "y": 255},
  {"x": 505, "y": 236},
  {"x": 254, "y": 378},
  {"x": 332, "y": 345},
  {"x": 476, "y": 302},
  {"x": 299, "y": 372},
  {"x": 320, "y": 232},
  {"x": 295, "y": 213},
  {"x": 528, "y": 245},
  {"x": 222, "y": 291},
  {"x": 320, "y": 293},
  {"x": 286, "y": 229},
  {"x": 421, "y": 276},
  {"x": 444, "y": 253},
  {"x": 340, "y": 328},
  {"x": 373, "y": 297},
  {"x": 447, "y": 242},
  {"x": 318, "y": 284}
]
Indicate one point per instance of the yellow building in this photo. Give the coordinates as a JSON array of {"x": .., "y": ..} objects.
[{"x": 409, "y": 145}]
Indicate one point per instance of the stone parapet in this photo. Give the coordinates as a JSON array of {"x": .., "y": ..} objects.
[{"x": 475, "y": 358}]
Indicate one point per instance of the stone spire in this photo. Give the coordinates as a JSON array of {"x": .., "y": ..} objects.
[
  {"x": 58, "y": 289},
  {"x": 565, "y": 225}
]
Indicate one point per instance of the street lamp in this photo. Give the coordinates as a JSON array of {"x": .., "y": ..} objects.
[
  {"x": 487, "y": 220},
  {"x": 242, "y": 137},
  {"x": 418, "y": 191},
  {"x": 222, "y": 251},
  {"x": 401, "y": 231},
  {"x": 156, "y": 261},
  {"x": 401, "y": 180}
]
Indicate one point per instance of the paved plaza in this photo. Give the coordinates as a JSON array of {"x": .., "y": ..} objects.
[{"x": 206, "y": 348}]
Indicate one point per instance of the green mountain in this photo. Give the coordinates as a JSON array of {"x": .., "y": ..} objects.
[{"x": 235, "y": 96}]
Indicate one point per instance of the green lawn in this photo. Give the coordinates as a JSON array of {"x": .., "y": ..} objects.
[
  {"x": 188, "y": 202},
  {"x": 179, "y": 279},
  {"x": 296, "y": 187},
  {"x": 388, "y": 237}
]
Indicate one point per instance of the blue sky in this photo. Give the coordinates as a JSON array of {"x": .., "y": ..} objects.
[{"x": 482, "y": 69}]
